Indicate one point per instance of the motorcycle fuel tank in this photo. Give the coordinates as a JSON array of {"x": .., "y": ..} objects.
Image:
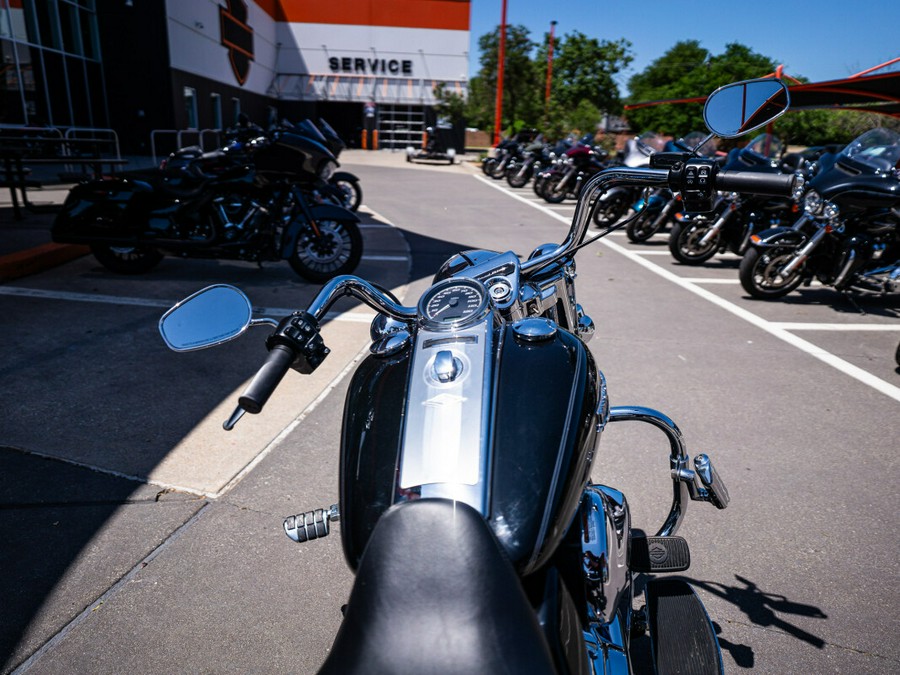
[{"x": 518, "y": 443}]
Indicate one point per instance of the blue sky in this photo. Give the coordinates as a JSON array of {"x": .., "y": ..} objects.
[{"x": 821, "y": 40}]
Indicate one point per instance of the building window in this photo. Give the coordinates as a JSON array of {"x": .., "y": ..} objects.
[{"x": 190, "y": 107}]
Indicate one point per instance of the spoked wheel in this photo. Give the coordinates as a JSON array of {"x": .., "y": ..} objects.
[
  {"x": 551, "y": 192},
  {"x": 127, "y": 259},
  {"x": 761, "y": 273},
  {"x": 498, "y": 170},
  {"x": 538, "y": 185},
  {"x": 337, "y": 251},
  {"x": 644, "y": 226},
  {"x": 487, "y": 165},
  {"x": 518, "y": 178},
  {"x": 350, "y": 193},
  {"x": 609, "y": 211},
  {"x": 684, "y": 243}
]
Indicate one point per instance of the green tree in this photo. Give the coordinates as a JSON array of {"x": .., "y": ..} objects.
[
  {"x": 688, "y": 70},
  {"x": 584, "y": 70},
  {"x": 449, "y": 104},
  {"x": 520, "y": 100}
]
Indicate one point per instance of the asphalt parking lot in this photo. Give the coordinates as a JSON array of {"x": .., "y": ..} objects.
[{"x": 137, "y": 536}]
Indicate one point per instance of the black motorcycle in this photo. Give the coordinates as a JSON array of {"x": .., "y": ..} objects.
[
  {"x": 479, "y": 542},
  {"x": 248, "y": 201},
  {"x": 736, "y": 217},
  {"x": 847, "y": 236},
  {"x": 341, "y": 184},
  {"x": 660, "y": 207}
]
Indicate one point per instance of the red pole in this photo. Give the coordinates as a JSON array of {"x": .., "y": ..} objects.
[
  {"x": 549, "y": 68},
  {"x": 501, "y": 56}
]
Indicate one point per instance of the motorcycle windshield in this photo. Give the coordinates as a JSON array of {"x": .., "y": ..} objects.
[
  {"x": 308, "y": 129},
  {"x": 766, "y": 145},
  {"x": 877, "y": 149}
]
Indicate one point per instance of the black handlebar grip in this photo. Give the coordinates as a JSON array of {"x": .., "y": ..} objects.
[
  {"x": 776, "y": 185},
  {"x": 267, "y": 378}
]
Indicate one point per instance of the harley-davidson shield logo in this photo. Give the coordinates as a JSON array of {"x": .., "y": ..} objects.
[{"x": 237, "y": 36}]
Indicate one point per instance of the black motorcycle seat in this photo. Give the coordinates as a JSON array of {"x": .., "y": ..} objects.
[{"x": 435, "y": 593}]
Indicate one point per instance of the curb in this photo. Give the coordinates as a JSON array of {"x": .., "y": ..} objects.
[{"x": 38, "y": 259}]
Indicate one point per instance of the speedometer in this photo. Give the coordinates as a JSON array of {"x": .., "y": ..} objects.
[{"x": 453, "y": 303}]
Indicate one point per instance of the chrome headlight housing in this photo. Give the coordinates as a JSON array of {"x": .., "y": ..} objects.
[
  {"x": 831, "y": 211},
  {"x": 799, "y": 186},
  {"x": 812, "y": 203},
  {"x": 327, "y": 170}
]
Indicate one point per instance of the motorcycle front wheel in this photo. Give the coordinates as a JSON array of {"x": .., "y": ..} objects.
[
  {"x": 518, "y": 178},
  {"x": 685, "y": 246},
  {"x": 609, "y": 211},
  {"x": 336, "y": 251},
  {"x": 761, "y": 276},
  {"x": 643, "y": 227},
  {"x": 350, "y": 193},
  {"x": 551, "y": 191},
  {"x": 127, "y": 259}
]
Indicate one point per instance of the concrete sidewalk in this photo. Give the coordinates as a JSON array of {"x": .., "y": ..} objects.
[{"x": 104, "y": 573}]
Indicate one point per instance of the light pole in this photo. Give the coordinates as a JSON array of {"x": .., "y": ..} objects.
[{"x": 498, "y": 108}]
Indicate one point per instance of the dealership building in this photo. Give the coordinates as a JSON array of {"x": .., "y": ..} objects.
[{"x": 156, "y": 70}]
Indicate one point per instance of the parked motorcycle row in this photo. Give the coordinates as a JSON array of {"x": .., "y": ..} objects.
[
  {"x": 265, "y": 196},
  {"x": 478, "y": 539},
  {"x": 839, "y": 228}
]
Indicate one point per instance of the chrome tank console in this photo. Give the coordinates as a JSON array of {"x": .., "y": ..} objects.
[{"x": 445, "y": 439}]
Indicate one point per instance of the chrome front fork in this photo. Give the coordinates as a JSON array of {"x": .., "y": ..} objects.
[
  {"x": 803, "y": 254},
  {"x": 713, "y": 232}
]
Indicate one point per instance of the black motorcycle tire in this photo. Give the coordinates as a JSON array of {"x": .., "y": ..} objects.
[
  {"x": 759, "y": 273},
  {"x": 351, "y": 193},
  {"x": 610, "y": 211},
  {"x": 515, "y": 180},
  {"x": 643, "y": 227},
  {"x": 127, "y": 259},
  {"x": 684, "y": 243},
  {"x": 550, "y": 191},
  {"x": 497, "y": 170},
  {"x": 488, "y": 165},
  {"x": 336, "y": 252},
  {"x": 538, "y": 185},
  {"x": 897, "y": 356}
]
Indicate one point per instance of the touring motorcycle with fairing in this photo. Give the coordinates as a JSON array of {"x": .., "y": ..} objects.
[
  {"x": 467, "y": 509},
  {"x": 848, "y": 236},
  {"x": 250, "y": 200}
]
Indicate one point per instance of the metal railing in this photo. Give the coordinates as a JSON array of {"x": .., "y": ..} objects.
[{"x": 202, "y": 136}]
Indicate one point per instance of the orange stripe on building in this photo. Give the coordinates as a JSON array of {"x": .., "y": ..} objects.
[{"x": 440, "y": 14}]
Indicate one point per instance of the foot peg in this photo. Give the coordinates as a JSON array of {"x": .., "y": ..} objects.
[
  {"x": 704, "y": 483},
  {"x": 655, "y": 555},
  {"x": 311, "y": 525}
]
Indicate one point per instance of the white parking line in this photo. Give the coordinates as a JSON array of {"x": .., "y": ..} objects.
[
  {"x": 710, "y": 280},
  {"x": 874, "y": 327},
  {"x": 773, "y": 329}
]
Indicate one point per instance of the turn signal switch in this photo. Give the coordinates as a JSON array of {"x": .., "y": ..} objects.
[{"x": 312, "y": 524}]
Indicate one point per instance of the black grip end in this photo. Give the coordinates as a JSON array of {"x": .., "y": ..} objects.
[
  {"x": 776, "y": 185},
  {"x": 267, "y": 378}
]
